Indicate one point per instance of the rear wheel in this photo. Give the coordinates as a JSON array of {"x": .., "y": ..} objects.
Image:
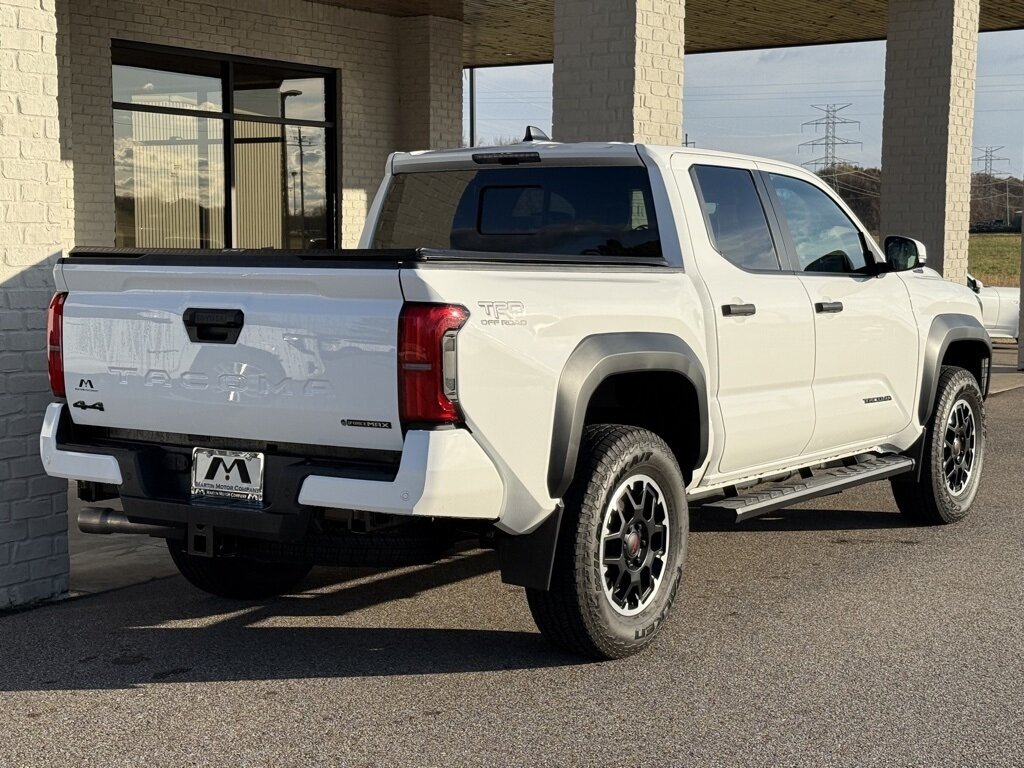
[
  {"x": 954, "y": 452},
  {"x": 622, "y": 543},
  {"x": 237, "y": 577}
]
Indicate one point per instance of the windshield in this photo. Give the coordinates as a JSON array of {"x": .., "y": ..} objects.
[{"x": 593, "y": 210}]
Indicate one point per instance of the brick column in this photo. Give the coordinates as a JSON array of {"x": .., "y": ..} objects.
[
  {"x": 618, "y": 73},
  {"x": 430, "y": 88},
  {"x": 1020, "y": 319},
  {"x": 33, "y": 507},
  {"x": 928, "y": 127}
]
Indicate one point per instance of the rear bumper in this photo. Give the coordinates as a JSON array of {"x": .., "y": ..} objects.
[
  {"x": 74, "y": 465},
  {"x": 441, "y": 474}
]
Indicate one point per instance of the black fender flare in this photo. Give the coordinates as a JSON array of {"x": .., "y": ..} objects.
[
  {"x": 944, "y": 331},
  {"x": 595, "y": 359}
]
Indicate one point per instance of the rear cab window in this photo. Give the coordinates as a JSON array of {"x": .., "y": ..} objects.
[
  {"x": 558, "y": 210},
  {"x": 735, "y": 218}
]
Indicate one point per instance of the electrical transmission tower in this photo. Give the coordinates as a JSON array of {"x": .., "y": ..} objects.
[
  {"x": 988, "y": 157},
  {"x": 828, "y": 124}
]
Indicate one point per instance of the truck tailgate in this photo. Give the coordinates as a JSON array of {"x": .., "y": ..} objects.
[{"x": 150, "y": 347}]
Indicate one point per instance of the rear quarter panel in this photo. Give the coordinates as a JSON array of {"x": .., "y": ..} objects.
[{"x": 524, "y": 324}]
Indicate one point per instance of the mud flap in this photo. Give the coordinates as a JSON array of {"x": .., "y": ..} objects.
[{"x": 527, "y": 560}]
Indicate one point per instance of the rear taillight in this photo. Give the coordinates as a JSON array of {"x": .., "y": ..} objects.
[
  {"x": 54, "y": 343},
  {"x": 427, "y": 390}
]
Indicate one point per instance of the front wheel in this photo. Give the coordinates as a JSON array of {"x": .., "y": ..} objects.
[
  {"x": 954, "y": 452},
  {"x": 621, "y": 547}
]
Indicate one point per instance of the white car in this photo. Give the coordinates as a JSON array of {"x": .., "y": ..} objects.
[
  {"x": 1000, "y": 308},
  {"x": 554, "y": 348}
]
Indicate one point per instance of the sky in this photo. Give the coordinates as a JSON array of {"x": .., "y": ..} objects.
[{"x": 756, "y": 101}]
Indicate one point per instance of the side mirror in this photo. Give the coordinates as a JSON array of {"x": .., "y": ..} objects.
[
  {"x": 975, "y": 284},
  {"x": 903, "y": 253}
]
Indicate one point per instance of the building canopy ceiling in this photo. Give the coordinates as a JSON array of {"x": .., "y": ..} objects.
[{"x": 516, "y": 32}]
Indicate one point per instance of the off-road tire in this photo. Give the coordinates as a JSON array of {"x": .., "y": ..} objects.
[
  {"x": 576, "y": 614},
  {"x": 236, "y": 577},
  {"x": 925, "y": 498}
]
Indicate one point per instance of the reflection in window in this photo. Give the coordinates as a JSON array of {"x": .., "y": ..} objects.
[
  {"x": 824, "y": 237},
  {"x": 168, "y": 181},
  {"x": 156, "y": 88},
  {"x": 280, "y": 197},
  {"x": 638, "y": 216},
  {"x": 738, "y": 225},
  {"x": 176, "y": 123},
  {"x": 273, "y": 92}
]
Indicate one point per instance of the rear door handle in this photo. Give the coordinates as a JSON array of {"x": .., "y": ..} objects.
[
  {"x": 213, "y": 326},
  {"x": 827, "y": 307},
  {"x": 738, "y": 310}
]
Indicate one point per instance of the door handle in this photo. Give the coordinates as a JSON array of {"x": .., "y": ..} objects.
[
  {"x": 213, "y": 326},
  {"x": 738, "y": 310},
  {"x": 828, "y": 307}
]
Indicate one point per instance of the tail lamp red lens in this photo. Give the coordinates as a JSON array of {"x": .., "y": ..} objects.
[
  {"x": 55, "y": 343},
  {"x": 427, "y": 390}
]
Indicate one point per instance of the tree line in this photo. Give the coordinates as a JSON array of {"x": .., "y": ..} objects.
[{"x": 996, "y": 201}]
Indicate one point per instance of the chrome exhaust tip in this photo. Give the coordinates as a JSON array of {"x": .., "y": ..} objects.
[{"x": 104, "y": 520}]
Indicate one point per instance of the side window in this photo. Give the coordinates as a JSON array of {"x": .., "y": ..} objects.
[
  {"x": 736, "y": 220},
  {"x": 824, "y": 237}
]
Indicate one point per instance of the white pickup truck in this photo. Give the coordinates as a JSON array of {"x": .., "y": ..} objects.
[{"x": 558, "y": 349}]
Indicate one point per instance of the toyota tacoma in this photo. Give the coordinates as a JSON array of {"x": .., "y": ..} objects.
[{"x": 559, "y": 350}]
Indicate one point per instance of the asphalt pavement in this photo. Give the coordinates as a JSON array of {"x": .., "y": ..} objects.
[{"x": 830, "y": 634}]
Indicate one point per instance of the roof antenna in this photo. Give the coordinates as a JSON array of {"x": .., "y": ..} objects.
[{"x": 533, "y": 133}]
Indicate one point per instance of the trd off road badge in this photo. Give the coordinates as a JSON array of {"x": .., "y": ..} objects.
[{"x": 503, "y": 312}]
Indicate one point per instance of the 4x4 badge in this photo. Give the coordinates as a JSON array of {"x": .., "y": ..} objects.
[{"x": 85, "y": 407}]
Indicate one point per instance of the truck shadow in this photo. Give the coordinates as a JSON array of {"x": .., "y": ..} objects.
[
  {"x": 799, "y": 519},
  {"x": 346, "y": 623},
  {"x": 166, "y": 631}
]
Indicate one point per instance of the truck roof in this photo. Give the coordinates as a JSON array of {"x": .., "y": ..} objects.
[{"x": 558, "y": 153}]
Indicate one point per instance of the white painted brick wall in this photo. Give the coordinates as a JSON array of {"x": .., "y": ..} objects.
[
  {"x": 33, "y": 521},
  {"x": 57, "y": 190},
  {"x": 928, "y": 127},
  {"x": 618, "y": 70}
]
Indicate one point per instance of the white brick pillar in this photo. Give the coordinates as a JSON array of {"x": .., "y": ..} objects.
[
  {"x": 1020, "y": 320},
  {"x": 928, "y": 127},
  {"x": 33, "y": 507},
  {"x": 618, "y": 72},
  {"x": 430, "y": 88}
]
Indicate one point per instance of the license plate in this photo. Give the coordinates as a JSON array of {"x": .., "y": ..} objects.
[{"x": 227, "y": 474}]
